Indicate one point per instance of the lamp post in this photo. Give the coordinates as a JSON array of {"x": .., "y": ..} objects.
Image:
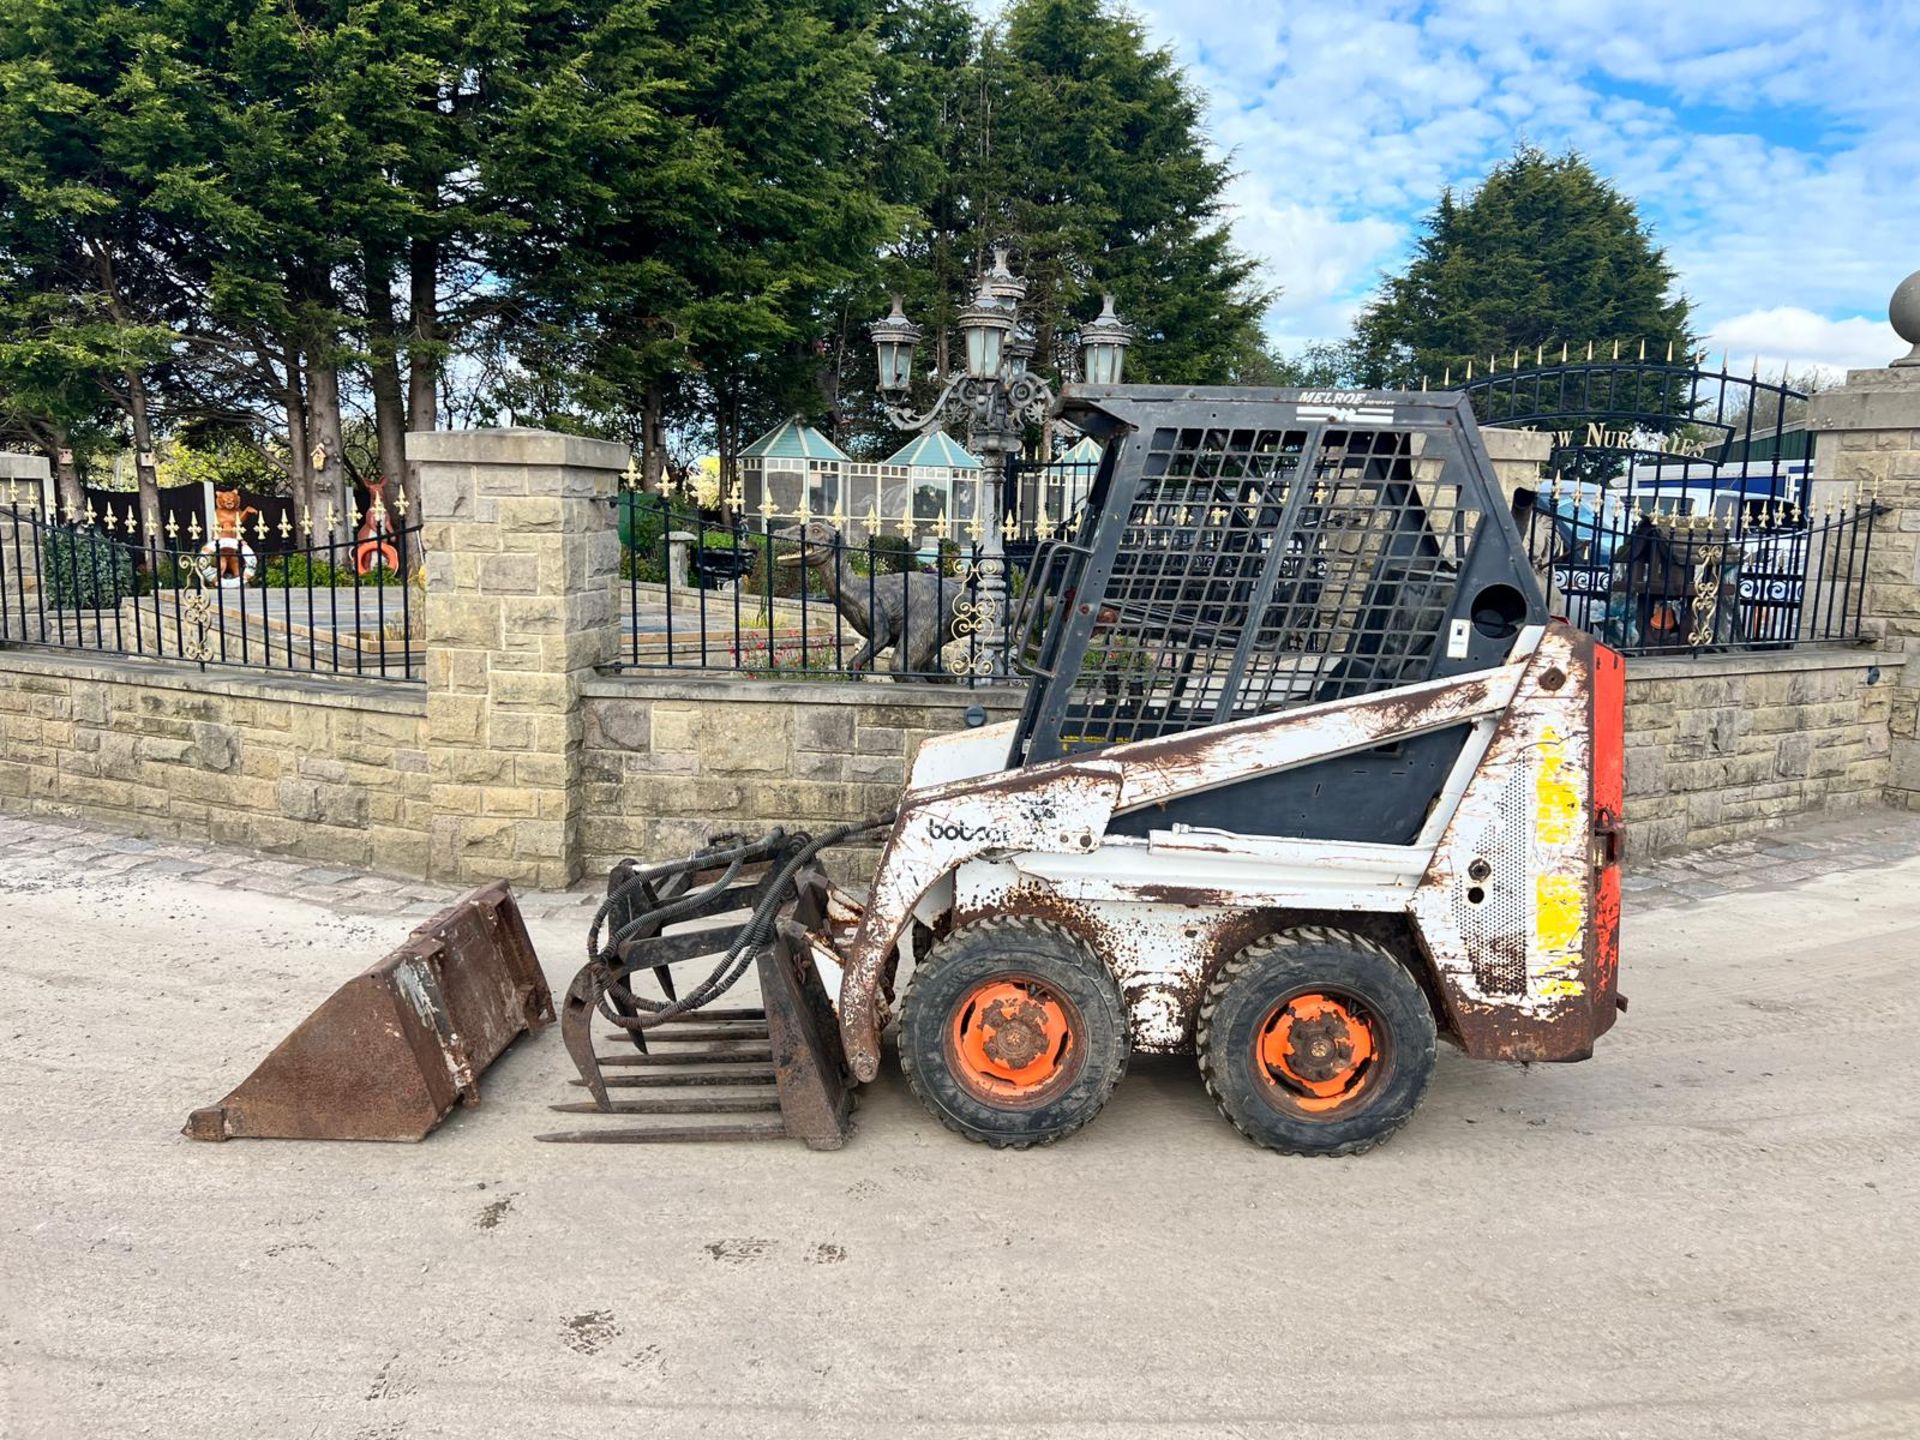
[{"x": 997, "y": 396}]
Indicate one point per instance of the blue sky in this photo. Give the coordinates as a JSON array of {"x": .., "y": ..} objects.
[{"x": 1775, "y": 147}]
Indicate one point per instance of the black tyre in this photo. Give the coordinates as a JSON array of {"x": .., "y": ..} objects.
[
  {"x": 1316, "y": 1042},
  {"x": 1012, "y": 1032}
]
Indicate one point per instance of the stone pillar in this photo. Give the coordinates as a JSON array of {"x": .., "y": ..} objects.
[
  {"x": 26, "y": 481},
  {"x": 522, "y": 569},
  {"x": 1519, "y": 457},
  {"x": 1867, "y": 442}
]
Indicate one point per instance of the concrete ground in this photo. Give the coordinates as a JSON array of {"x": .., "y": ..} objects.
[{"x": 1708, "y": 1230}]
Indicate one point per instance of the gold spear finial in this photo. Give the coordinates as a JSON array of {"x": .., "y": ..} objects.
[
  {"x": 1589, "y": 350},
  {"x": 113, "y": 521},
  {"x": 1643, "y": 347},
  {"x": 285, "y": 527},
  {"x": 306, "y": 522},
  {"x": 1538, "y": 351},
  {"x": 172, "y": 527},
  {"x": 400, "y": 506},
  {"x": 1446, "y": 380},
  {"x": 1563, "y": 352},
  {"x": 1616, "y": 348}
]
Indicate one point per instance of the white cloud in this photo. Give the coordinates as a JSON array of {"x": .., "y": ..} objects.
[
  {"x": 1773, "y": 149},
  {"x": 1796, "y": 339}
]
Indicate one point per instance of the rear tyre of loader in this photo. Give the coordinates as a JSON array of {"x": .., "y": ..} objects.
[
  {"x": 1012, "y": 1032},
  {"x": 1316, "y": 1042}
]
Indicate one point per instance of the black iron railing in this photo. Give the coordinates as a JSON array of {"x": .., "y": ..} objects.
[
  {"x": 1762, "y": 574},
  {"x": 803, "y": 596},
  {"x": 343, "y": 598}
]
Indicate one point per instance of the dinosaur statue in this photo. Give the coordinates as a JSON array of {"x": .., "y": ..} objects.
[{"x": 910, "y": 611}]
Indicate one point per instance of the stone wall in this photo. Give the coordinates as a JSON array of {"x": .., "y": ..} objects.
[
  {"x": 330, "y": 771},
  {"x": 670, "y": 761},
  {"x": 1722, "y": 747},
  {"x": 1869, "y": 445}
]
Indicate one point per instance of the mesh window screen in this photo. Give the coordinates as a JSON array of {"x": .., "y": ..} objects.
[{"x": 1259, "y": 567}]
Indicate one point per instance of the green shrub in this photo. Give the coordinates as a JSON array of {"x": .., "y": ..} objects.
[
  {"x": 644, "y": 519},
  {"x": 790, "y": 582},
  {"x": 84, "y": 570},
  {"x": 297, "y": 570},
  {"x": 649, "y": 568},
  {"x": 169, "y": 571},
  {"x": 890, "y": 555}
]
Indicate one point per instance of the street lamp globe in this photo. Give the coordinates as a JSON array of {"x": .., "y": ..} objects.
[
  {"x": 1103, "y": 346},
  {"x": 893, "y": 340},
  {"x": 985, "y": 325},
  {"x": 1020, "y": 351}
]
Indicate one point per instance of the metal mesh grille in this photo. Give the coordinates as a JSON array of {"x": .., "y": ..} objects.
[
  {"x": 1496, "y": 927},
  {"x": 1264, "y": 568}
]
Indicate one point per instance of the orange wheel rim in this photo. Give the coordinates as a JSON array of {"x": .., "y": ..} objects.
[
  {"x": 1318, "y": 1052},
  {"x": 1014, "y": 1041}
]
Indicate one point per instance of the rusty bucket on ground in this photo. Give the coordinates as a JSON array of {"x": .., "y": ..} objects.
[{"x": 391, "y": 1050}]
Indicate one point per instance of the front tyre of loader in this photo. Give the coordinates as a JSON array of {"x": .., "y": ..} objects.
[
  {"x": 1012, "y": 1032},
  {"x": 1316, "y": 1042}
]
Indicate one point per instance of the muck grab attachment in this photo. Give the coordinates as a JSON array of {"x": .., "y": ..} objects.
[{"x": 769, "y": 1072}]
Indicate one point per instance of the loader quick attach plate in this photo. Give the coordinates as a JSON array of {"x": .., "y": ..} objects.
[
  {"x": 769, "y": 1072},
  {"x": 391, "y": 1050},
  {"x": 1248, "y": 550}
]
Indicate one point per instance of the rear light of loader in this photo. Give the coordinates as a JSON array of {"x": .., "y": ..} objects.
[{"x": 1609, "y": 692}]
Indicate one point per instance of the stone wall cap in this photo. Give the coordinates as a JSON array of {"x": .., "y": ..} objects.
[
  {"x": 516, "y": 445},
  {"x": 1758, "y": 662},
  {"x": 1870, "y": 400},
  {"x": 345, "y": 692},
  {"x": 1504, "y": 443},
  {"x": 740, "y": 689},
  {"x": 17, "y": 466}
]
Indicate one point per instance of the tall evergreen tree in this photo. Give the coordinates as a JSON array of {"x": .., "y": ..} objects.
[
  {"x": 88, "y": 305},
  {"x": 1543, "y": 252},
  {"x": 682, "y": 200},
  {"x": 1095, "y": 167}
]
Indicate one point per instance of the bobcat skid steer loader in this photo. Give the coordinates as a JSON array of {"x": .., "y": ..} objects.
[{"x": 1306, "y": 780}]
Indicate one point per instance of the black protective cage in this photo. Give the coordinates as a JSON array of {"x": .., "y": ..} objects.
[{"x": 1255, "y": 550}]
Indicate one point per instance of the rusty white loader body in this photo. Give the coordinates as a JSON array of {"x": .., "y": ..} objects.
[{"x": 1306, "y": 779}]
